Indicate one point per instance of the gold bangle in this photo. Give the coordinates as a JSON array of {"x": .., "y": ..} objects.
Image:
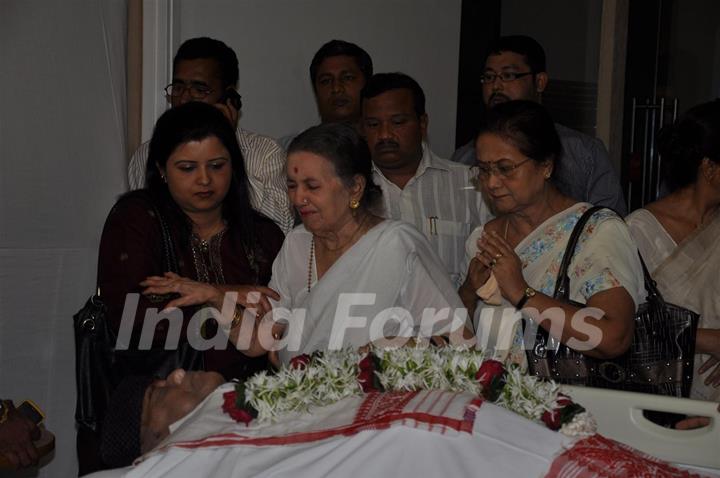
[{"x": 237, "y": 316}]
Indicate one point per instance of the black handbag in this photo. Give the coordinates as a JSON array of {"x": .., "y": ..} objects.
[
  {"x": 660, "y": 358},
  {"x": 99, "y": 367}
]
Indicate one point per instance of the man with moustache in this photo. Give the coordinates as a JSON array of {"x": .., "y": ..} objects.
[
  {"x": 338, "y": 72},
  {"x": 515, "y": 70},
  {"x": 418, "y": 187}
]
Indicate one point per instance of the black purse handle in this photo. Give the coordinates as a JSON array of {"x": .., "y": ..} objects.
[
  {"x": 562, "y": 283},
  {"x": 650, "y": 284},
  {"x": 170, "y": 260}
]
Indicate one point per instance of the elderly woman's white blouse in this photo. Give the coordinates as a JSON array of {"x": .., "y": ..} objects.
[{"x": 389, "y": 270}]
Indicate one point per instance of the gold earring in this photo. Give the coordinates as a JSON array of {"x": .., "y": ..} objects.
[{"x": 354, "y": 204}]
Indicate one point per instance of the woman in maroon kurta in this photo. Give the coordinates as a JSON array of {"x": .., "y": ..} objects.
[{"x": 197, "y": 182}]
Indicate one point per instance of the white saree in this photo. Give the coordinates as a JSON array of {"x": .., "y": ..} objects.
[
  {"x": 686, "y": 275},
  {"x": 606, "y": 257},
  {"x": 391, "y": 270}
]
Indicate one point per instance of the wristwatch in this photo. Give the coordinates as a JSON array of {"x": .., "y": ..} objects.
[{"x": 529, "y": 292}]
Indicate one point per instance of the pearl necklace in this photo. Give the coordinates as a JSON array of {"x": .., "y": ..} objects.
[{"x": 310, "y": 263}]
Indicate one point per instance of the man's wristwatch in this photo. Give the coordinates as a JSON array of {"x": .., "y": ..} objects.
[{"x": 529, "y": 292}]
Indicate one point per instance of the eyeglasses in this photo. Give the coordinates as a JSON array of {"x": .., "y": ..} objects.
[
  {"x": 502, "y": 169},
  {"x": 505, "y": 76},
  {"x": 198, "y": 91}
]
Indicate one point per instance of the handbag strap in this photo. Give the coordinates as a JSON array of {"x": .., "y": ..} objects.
[
  {"x": 650, "y": 284},
  {"x": 170, "y": 261},
  {"x": 562, "y": 283}
]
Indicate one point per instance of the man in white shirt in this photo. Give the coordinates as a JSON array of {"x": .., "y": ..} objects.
[
  {"x": 418, "y": 187},
  {"x": 338, "y": 72},
  {"x": 206, "y": 70}
]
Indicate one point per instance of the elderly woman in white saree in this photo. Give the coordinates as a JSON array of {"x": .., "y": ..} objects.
[
  {"x": 513, "y": 260},
  {"x": 678, "y": 234},
  {"x": 346, "y": 275}
]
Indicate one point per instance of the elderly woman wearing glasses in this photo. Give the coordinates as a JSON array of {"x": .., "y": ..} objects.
[{"x": 512, "y": 261}]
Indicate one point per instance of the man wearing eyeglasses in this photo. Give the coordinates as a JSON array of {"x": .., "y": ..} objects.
[
  {"x": 206, "y": 70},
  {"x": 515, "y": 70}
]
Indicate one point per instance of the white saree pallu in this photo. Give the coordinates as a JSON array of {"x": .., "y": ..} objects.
[
  {"x": 391, "y": 271},
  {"x": 409, "y": 434}
]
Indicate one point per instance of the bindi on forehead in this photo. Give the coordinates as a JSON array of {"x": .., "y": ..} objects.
[{"x": 295, "y": 170}]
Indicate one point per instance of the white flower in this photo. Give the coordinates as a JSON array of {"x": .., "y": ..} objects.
[{"x": 582, "y": 425}]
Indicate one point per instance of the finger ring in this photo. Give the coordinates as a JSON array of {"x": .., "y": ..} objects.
[{"x": 493, "y": 262}]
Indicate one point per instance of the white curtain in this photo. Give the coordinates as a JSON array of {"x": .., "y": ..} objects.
[{"x": 62, "y": 165}]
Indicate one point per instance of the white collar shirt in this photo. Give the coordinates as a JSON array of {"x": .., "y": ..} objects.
[{"x": 440, "y": 201}]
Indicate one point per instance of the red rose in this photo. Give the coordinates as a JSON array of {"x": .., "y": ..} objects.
[
  {"x": 366, "y": 374},
  {"x": 299, "y": 361},
  {"x": 241, "y": 415},
  {"x": 553, "y": 419},
  {"x": 229, "y": 400},
  {"x": 230, "y": 407},
  {"x": 562, "y": 401},
  {"x": 489, "y": 371}
]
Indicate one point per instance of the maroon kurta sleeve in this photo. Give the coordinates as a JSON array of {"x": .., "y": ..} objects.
[{"x": 130, "y": 250}]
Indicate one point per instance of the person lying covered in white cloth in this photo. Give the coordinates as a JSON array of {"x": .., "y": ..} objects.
[
  {"x": 183, "y": 432},
  {"x": 206, "y": 442}
]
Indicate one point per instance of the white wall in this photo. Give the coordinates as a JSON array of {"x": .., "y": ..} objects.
[
  {"x": 276, "y": 39},
  {"x": 62, "y": 135}
]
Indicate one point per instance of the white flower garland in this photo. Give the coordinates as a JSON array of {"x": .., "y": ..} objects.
[
  {"x": 430, "y": 368},
  {"x": 326, "y": 379},
  {"x": 527, "y": 395},
  {"x": 333, "y": 375}
]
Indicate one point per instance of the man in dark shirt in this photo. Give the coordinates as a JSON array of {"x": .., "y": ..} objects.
[{"x": 515, "y": 70}]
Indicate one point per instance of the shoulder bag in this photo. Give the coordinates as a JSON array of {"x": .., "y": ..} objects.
[
  {"x": 660, "y": 358},
  {"x": 99, "y": 367}
]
